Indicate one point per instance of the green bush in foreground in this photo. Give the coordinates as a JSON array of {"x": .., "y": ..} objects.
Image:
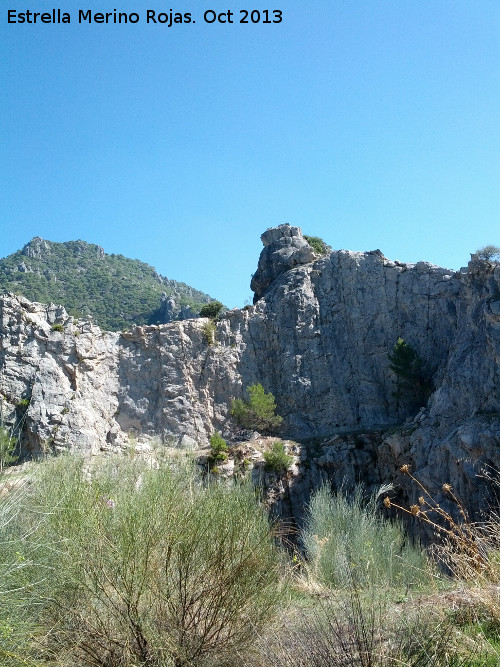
[
  {"x": 258, "y": 412},
  {"x": 163, "y": 568},
  {"x": 144, "y": 567},
  {"x": 16, "y": 623},
  {"x": 347, "y": 540}
]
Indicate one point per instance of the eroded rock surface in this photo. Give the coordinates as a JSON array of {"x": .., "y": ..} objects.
[
  {"x": 284, "y": 249},
  {"x": 317, "y": 337}
]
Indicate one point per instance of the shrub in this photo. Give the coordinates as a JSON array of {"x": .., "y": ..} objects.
[
  {"x": 489, "y": 252},
  {"x": 219, "y": 448},
  {"x": 212, "y": 309},
  {"x": 258, "y": 412},
  {"x": 57, "y": 327},
  {"x": 152, "y": 566},
  {"x": 346, "y": 540},
  {"x": 355, "y": 630},
  {"x": 412, "y": 379},
  {"x": 318, "y": 245},
  {"x": 466, "y": 549},
  {"x": 277, "y": 459},
  {"x": 7, "y": 448},
  {"x": 209, "y": 330}
]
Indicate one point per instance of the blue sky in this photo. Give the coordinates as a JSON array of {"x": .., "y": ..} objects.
[{"x": 373, "y": 124}]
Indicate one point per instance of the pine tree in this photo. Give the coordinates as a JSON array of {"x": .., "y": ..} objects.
[
  {"x": 258, "y": 412},
  {"x": 413, "y": 380}
]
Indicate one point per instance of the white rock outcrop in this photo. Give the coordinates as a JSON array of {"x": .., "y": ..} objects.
[{"x": 317, "y": 337}]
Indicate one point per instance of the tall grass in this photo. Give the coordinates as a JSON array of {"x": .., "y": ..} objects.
[
  {"x": 354, "y": 632},
  {"x": 15, "y": 621},
  {"x": 359, "y": 564},
  {"x": 347, "y": 539},
  {"x": 117, "y": 564},
  {"x": 144, "y": 567}
]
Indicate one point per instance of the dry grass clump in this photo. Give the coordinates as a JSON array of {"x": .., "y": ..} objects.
[
  {"x": 352, "y": 630},
  {"x": 466, "y": 549}
]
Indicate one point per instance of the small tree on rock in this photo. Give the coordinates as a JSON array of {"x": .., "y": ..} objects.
[
  {"x": 258, "y": 412},
  {"x": 491, "y": 253},
  {"x": 412, "y": 379},
  {"x": 318, "y": 245},
  {"x": 218, "y": 448},
  {"x": 277, "y": 460},
  {"x": 212, "y": 309}
]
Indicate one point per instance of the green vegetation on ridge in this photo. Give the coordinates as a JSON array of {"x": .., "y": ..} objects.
[
  {"x": 318, "y": 245},
  {"x": 115, "y": 290}
]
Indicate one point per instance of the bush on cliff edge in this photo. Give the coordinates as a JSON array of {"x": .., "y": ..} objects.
[{"x": 258, "y": 412}]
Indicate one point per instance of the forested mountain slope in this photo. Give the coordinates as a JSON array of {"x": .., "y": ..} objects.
[{"x": 116, "y": 291}]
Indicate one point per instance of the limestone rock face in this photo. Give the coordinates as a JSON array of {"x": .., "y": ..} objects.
[
  {"x": 285, "y": 248},
  {"x": 317, "y": 337},
  {"x": 457, "y": 436},
  {"x": 70, "y": 385},
  {"x": 170, "y": 311},
  {"x": 454, "y": 440},
  {"x": 36, "y": 248},
  {"x": 321, "y": 335},
  {"x": 55, "y": 377}
]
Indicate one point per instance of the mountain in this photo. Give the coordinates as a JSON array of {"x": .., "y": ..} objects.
[
  {"x": 115, "y": 291},
  {"x": 319, "y": 337}
]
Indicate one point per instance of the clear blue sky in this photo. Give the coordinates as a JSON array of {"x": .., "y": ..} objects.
[{"x": 373, "y": 124}]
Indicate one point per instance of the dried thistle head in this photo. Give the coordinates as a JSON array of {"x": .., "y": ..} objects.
[
  {"x": 415, "y": 510},
  {"x": 447, "y": 488},
  {"x": 405, "y": 468},
  {"x": 387, "y": 502},
  {"x": 421, "y": 500},
  {"x": 320, "y": 541}
]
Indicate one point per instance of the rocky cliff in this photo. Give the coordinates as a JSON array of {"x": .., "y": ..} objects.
[{"x": 317, "y": 337}]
